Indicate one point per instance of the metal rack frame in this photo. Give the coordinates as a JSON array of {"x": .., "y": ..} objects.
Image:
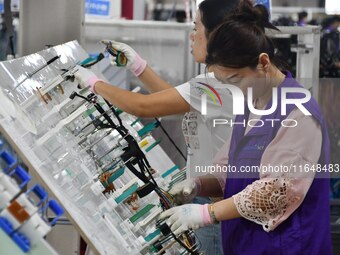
[{"x": 308, "y": 53}]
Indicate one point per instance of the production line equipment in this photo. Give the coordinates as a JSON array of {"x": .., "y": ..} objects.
[
  {"x": 102, "y": 165},
  {"x": 26, "y": 214}
]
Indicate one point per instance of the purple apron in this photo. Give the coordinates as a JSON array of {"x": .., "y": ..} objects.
[{"x": 307, "y": 230}]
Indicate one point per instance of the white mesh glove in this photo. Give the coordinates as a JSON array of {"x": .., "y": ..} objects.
[
  {"x": 86, "y": 78},
  {"x": 185, "y": 191},
  {"x": 135, "y": 63},
  {"x": 185, "y": 217}
]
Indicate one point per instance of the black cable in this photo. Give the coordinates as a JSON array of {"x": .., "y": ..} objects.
[
  {"x": 171, "y": 140},
  {"x": 115, "y": 113},
  {"x": 196, "y": 240},
  {"x": 106, "y": 117},
  {"x": 133, "y": 150},
  {"x": 140, "y": 176},
  {"x": 158, "y": 123},
  {"x": 141, "y": 160},
  {"x": 166, "y": 230},
  {"x": 37, "y": 70},
  {"x": 132, "y": 153},
  {"x": 147, "y": 167},
  {"x": 182, "y": 244},
  {"x": 143, "y": 163}
]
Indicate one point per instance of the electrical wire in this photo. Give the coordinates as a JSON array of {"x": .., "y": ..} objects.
[
  {"x": 166, "y": 199},
  {"x": 182, "y": 244},
  {"x": 171, "y": 140},
  {"x": 169, "y": 196}
]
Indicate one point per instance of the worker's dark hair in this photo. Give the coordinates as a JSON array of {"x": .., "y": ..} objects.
[
  {"x": 241, "y": 38},
  {"x": 213, "y": 12},
  {"x": 329, "y": 21},
  {"x": 302, "y": 15}
]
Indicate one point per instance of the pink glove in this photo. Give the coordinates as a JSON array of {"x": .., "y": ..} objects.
[{"x": 86, "y": 78}]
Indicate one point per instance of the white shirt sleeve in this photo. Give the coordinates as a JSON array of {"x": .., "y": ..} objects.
[
  {"x": 184, "y": 89},
  {"x": 219, "y": 101}
]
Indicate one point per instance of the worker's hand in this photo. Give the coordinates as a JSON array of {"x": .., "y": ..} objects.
[
  {"x": 86, "y": 78},
  {"x": 185, "y": 191},
  {"x": 185, "y": 217},
  {"x": 135, "y": 63}
]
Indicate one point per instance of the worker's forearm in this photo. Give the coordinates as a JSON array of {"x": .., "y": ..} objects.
[
  {"x": 152, "y": 81},
  {"x": 225, "y": 210},
  {"x": 210, "y": 186},
  {"x": 125, "y": 100},
  {"x": 163, "y": 103}
]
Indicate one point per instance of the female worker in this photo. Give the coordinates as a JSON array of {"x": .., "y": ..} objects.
[
  {"x": 167, "y": 100},
  {"x": 284, "y": 212},
  {"x": 164, "y": 99}
]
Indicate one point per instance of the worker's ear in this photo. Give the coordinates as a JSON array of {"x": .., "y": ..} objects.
[{"x": 264, "y": 62}]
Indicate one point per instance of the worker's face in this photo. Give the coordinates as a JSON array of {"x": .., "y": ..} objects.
[
  {"x": 199, "y": 41},
  {"x": 338, "y": 25},
  {"x": 242, "y": 78}
]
